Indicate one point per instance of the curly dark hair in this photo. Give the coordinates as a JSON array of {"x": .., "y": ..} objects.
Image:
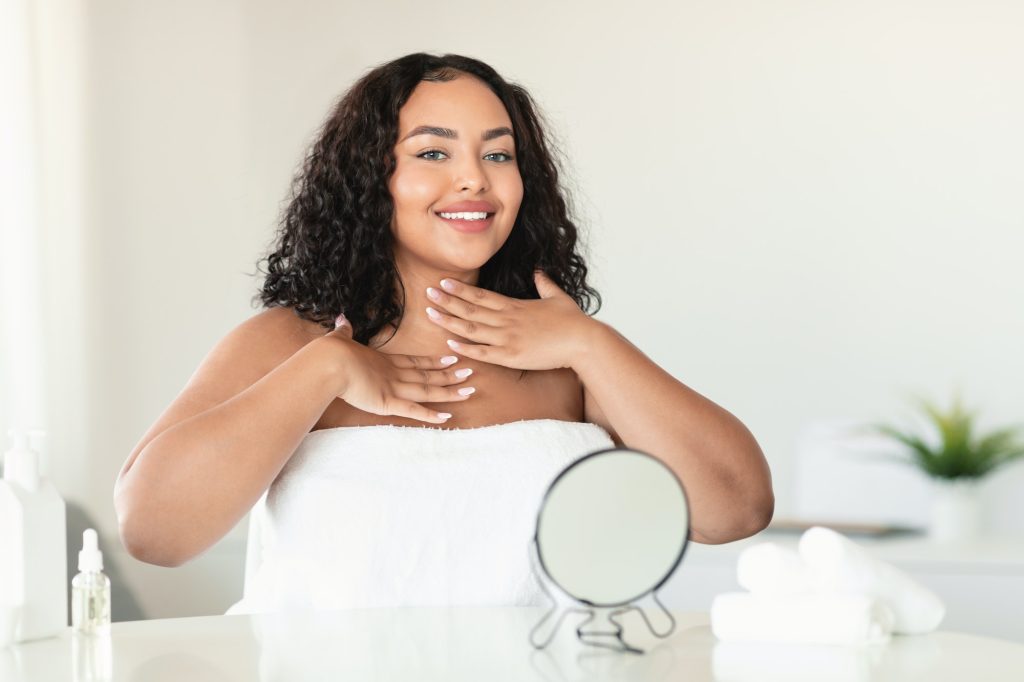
[{"x": 333, "y": 250}]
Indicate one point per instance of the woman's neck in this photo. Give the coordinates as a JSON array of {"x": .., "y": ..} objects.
[{"x": 416, "y": 334}]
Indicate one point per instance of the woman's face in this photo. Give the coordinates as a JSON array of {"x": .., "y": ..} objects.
[{"x": 456, "y": 186}]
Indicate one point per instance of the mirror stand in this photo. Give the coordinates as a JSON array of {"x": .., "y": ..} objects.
[{"x": 601, "y": 628}]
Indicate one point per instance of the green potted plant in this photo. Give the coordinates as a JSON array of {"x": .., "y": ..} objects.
[{"x": 956, "y": 458}]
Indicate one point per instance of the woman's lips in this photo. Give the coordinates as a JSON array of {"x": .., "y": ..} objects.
[{"x": 469, "y": 225}]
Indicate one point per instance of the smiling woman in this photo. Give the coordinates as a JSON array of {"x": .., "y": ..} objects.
[{"x": 426, "y": 272}]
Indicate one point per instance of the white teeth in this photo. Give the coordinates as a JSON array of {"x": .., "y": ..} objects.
[{"x": 464, "y": 216}]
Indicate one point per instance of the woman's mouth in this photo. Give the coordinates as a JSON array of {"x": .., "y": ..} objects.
[{"x": 467, "y": 221}]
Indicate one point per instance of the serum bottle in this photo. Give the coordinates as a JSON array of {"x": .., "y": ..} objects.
[{"x": 90, "y": 590}]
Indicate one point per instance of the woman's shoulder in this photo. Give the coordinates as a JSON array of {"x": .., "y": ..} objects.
[
  {"x": 282, "y": 325},
  {"x": 262, "y": 342}
]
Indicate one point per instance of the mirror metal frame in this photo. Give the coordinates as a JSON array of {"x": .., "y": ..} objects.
[{"x": 590, "y": 608}]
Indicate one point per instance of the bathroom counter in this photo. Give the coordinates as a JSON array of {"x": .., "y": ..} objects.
[{"x": 491, "y": 644}]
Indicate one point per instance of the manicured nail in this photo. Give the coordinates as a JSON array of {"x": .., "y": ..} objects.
[
  {"x": 340, "y": 320},
  {"x": 454, "y": 345},
  {"x": 434, "y": 315},
  {"x": 434, "y": 293},
  {"x": 463, "y": 373},
  {"x": 467, "y": 391},
  {"x": 450, "y": 360},
  {"x": 447, "y": 285},
  {"x": 444, "y": 415}
]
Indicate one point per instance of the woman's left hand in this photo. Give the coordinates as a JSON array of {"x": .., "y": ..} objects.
[{"x": 546, "y": 333}]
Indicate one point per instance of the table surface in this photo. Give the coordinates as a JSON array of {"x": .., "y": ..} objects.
[{"x": 482, "y": 643}]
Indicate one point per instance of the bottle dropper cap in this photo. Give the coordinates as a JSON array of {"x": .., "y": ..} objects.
[{"x": 90, "y": 558}]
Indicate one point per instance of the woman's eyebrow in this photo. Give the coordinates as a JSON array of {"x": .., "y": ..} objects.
[{"x": 452, "y": 135}]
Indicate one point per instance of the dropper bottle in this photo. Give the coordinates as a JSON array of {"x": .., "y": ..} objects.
[{"x": 90, "y": 590}]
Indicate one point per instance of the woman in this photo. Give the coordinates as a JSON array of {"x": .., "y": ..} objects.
[{"x": 428, "y": 213}]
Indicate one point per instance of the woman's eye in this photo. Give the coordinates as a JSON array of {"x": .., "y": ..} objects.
[
  {"x": 431, "y": 155},
  {"x": 503, "y": 155}
]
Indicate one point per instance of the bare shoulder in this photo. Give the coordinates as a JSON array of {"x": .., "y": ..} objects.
[
  {"x": 242, "y": 357},
  {"x": 247, "y": 353}
]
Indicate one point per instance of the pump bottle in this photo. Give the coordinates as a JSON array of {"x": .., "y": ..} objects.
[{"x": 33, "y": 568}]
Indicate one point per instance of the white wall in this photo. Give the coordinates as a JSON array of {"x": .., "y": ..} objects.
[{"x": 803, "y": 210}]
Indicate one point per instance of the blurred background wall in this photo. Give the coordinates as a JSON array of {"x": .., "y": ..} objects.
[{"x": 805, "y": 210}]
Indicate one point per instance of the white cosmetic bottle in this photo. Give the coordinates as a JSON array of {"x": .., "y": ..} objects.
[
  {"x": 90, "y": 590},
  {"x": 33, "y": 552}
]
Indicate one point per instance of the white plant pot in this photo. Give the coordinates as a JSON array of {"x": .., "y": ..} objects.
[{"x": 955, "y": 510}]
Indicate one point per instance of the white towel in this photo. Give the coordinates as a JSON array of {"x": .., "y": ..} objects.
[
  {"x": 827, "y": 568},
  {"x": 838, "y": 565},
  {"x": 771, "y": 569},
  {"x": 377, "y": 516},
  {"x": 846, "y": 619}
]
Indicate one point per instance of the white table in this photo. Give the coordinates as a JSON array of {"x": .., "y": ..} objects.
[{"x": 453, "y": 644}]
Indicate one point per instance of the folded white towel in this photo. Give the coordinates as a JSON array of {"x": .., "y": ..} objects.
[
  {"x": 846, "y": 619},
  {"x": 771, "y": 569},
  {"x": 839, "y": 566}
]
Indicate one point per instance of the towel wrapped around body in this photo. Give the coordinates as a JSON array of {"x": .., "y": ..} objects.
[{"x": 375, "y": 516}]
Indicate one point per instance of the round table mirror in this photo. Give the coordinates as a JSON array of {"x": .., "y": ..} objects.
[{"x": 612, "y": 527}]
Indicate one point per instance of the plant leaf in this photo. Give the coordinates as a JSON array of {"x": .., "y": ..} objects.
[{"x": 958, "y": 454}]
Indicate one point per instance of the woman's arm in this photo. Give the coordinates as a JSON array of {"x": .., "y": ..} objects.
[
  {"x": 725, "y": 474},
  {"x": 247, "y": 408},
  {"x": 721, "y": 465},
  {"x": 219, "y": 445}
]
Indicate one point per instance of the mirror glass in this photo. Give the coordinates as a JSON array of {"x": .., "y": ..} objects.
[{"x": 612, "y": 527}]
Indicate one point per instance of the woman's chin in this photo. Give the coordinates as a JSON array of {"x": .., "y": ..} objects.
[
  {"x": 462, "y": 266},
  {"x": 465, "y": 260}
]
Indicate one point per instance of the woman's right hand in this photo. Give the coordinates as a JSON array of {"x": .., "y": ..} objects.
[{"x": 385, "y": 384}]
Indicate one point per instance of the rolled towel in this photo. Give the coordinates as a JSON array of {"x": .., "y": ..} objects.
[
  {"x": 838, "y": 565},
  {"x": 845, "y": 619},
  {"x": 769, "y": 568}
]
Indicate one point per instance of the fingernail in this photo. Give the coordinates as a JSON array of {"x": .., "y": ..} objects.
[
  {"x": 447, "y": 285},
  {"x": 434, "y": 293},
  {"x": 454, "y": 345},
  {"x": 444, "y": 415},
  {"x": 340, "y": 320},
  {"x": 466, "y": 391},
  {"x": 434, "y": 315},
  {"x": 450, "y": 360},
  {"x": 463, "y": 373}
]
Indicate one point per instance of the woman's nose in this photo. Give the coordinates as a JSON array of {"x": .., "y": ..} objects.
[{"x": 470, "y": 176}]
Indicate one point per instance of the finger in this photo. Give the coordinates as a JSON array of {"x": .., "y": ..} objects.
[
  {"x": 424, "y": 362},
  {"x": 445, "y": 377},
  {"x": 425, "y": 393},
  {"x": 474, "y": 351},
  {"x": 342, "y": 327},
  {"x": 481, "y": 297},
  {"x": 463, "y": 308},
  {"x": 474, "y": 331},
  {"x": 411, "y": 410},
  {"x": 546, "y": 287}
]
